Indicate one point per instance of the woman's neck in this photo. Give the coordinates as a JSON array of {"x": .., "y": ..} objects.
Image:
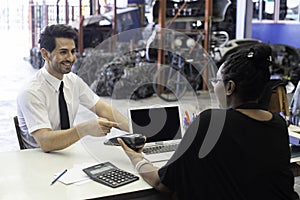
[
  {"x": 257, "y": 114},
  {"x": 247, "y": 105},
  {"x": 234, "y": 101}
]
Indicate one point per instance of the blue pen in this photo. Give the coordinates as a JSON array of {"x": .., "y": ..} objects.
[{"x": 56, "y": 179}]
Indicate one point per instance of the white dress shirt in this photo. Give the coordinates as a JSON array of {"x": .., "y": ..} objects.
[{"x": 38, "y": 102}]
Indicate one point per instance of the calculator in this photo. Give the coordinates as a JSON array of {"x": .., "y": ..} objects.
[{"x": 108, "y": 174}]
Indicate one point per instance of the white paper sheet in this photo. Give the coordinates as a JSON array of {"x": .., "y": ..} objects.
[{"x": 75, "y": 174}]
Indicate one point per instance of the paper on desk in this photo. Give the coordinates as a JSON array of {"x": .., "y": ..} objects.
[{"x": 75, "y": 174}]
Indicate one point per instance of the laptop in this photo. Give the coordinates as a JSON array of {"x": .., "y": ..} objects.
[{"x": 162, "y": 125}]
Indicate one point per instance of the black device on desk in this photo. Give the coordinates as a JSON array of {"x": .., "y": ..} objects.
[
  {"x": 108, "y": 174},
  {"x": 133, "y": 141}
]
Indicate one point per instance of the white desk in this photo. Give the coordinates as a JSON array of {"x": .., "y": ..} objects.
[{"x": 27, "y": 174}]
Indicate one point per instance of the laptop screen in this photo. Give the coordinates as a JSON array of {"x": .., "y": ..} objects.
[{"x": 156, "y": 123}]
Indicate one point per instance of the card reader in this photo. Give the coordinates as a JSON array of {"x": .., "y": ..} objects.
[{"x": 133, "y": 141}]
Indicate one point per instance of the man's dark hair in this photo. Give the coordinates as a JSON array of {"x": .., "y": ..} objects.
[
  {"x": 48, "y": 35},
  {"x": 249, "y": 69}
]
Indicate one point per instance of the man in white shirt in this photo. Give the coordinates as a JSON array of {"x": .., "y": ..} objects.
[{"x": 38, "y": 104}]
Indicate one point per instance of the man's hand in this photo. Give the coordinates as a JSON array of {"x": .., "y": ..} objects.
[
  {"x": 95, "y": 127},
  {"x": 106, "y": 125}
]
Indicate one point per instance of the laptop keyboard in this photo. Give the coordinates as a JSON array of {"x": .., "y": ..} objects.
[{"x": 160, "y": 148}]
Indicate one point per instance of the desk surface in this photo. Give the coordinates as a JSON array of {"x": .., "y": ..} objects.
[{"x": 27, "y": 174}]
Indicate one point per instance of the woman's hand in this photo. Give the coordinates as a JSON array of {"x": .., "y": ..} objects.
[
  {"x": 133, "y": 155},
  {"x": 146, "y": 169}
]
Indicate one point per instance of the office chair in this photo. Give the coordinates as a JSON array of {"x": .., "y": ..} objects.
[
  {"x": 19, "y": 132},
  {"x": 279, "y": 101},
  {"x": 274, "y": 97}
]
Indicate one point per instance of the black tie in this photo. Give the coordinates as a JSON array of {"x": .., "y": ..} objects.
[{"x": 63, "y": 110}]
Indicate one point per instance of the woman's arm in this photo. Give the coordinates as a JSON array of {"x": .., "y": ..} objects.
[{"x": 145, "y": 168}]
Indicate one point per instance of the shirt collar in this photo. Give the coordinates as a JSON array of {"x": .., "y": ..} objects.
[{"x": 55, "y": 82}]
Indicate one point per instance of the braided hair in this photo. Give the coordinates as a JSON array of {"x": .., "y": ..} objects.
[{"x": 248, "y": 68}]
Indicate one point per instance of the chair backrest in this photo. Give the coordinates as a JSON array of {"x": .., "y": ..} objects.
[
  {"x": 279, "y": 101},
  {"x": 274, "y": 97},
  {"x": 19, "y": 132}
]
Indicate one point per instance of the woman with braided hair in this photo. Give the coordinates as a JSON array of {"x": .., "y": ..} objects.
[{"x": 238, "y": 152}]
